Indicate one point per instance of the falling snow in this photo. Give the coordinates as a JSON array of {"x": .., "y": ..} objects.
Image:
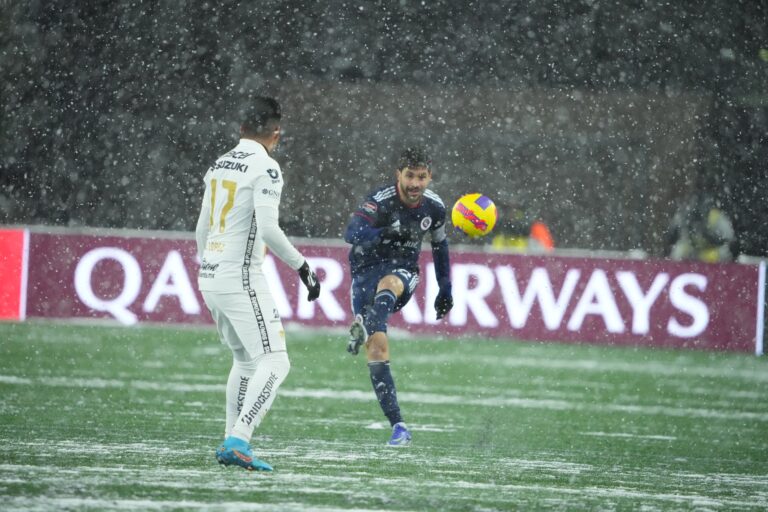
[{"x": 600, "y": 117}]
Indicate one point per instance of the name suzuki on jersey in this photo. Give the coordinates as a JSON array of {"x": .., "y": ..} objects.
[{"x": 234, "y": 166}]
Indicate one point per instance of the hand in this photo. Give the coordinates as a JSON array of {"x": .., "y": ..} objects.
[
  {"x": 444, "y": 301},
  {"x": 309, "y": 278}
]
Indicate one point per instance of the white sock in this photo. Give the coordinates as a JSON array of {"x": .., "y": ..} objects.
[
  {"x": 237, "y": 386},
  {"x": 271, "y": 371}
]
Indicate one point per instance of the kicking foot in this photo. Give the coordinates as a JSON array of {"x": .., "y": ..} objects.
[{"x": 357, "y": 335}]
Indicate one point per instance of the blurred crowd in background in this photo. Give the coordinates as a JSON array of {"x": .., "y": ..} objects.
[{"x": 617, "y": 125}]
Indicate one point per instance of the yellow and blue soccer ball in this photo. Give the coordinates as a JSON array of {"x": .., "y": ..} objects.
[{"x": 474, "y": 215}]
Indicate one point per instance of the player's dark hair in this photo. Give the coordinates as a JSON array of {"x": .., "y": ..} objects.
[
  {"x": 262, "y": 116},
  {"x": 414, "y": 157}
]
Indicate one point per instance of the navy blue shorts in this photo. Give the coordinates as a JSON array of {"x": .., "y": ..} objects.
[{"x": 364, "y": 285}]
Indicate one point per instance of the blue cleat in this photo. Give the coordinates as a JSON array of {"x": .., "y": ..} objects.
[
  {"x": 400, "y": 435},
  {"x": 357, "y": 335},
  {"x": 236, "y": 452}
]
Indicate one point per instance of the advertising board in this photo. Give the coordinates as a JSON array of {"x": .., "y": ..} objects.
[{"x": 137, "y": 277}]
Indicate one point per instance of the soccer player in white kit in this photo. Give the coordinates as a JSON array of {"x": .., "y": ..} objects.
[{"x": 238, "y": 221}]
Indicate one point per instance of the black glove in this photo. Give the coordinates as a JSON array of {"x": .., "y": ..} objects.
[
  {"x": 309, "y": 278},
  {"x": 444, "y": 301}
]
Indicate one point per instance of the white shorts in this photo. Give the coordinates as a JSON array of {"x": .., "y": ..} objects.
[{"x": 247, "y": 320}]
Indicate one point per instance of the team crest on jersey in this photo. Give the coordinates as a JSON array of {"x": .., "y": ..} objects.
[
  {"x": 426, "y": 222},
  {"x": 369, "y": 206}
]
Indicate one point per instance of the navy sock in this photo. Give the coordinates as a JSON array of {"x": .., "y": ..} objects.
[
  {"x": 383, "y": 306},
  {"x": 384, "y": 386}
]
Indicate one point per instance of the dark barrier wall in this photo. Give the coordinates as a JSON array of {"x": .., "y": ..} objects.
[
  {"x": 599, "y": 117},
  {"x": 605, "y": 170}
]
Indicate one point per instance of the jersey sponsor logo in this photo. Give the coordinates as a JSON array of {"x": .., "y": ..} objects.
[
  {"x": 208, "y": 270},
  {"x": 273, "y": 173},
  {"x": 425, "y": 223},
  {"x": 369, "y": 207},
  {"x": 215, "y": 246},
  {"x": 232, "y": 166},
  {"x": 238, "y": 155},
  {"x": 270, "y": 193}
]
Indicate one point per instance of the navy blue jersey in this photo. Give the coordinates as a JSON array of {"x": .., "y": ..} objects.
[{"x": 383, "y": 209}]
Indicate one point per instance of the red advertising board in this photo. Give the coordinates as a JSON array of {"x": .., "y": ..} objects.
[
  {"x": 13, "y": 267},
  {"x": 611, "y": 301},
  {"x": 129, "y": 278}
]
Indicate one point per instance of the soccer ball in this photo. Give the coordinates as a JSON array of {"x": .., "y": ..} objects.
[{"x": 474, "y": 215}]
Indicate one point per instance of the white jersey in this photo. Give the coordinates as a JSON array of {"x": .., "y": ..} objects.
[{"x": 239, "y": 219}]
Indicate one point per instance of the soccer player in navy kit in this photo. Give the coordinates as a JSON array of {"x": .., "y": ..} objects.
[{"x": 386, "y": 233}]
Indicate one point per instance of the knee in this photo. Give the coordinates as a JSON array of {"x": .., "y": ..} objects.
[
  {"x": 278, "y": 363},
  {"x": 392, "y": 283}
]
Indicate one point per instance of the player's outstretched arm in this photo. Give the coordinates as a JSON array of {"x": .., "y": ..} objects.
[
  {"x": 444, "y": 299},
  {"x": 267, "y": 224}
]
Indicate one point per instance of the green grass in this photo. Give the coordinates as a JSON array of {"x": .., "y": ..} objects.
[{"x": 109, "y": 418}]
